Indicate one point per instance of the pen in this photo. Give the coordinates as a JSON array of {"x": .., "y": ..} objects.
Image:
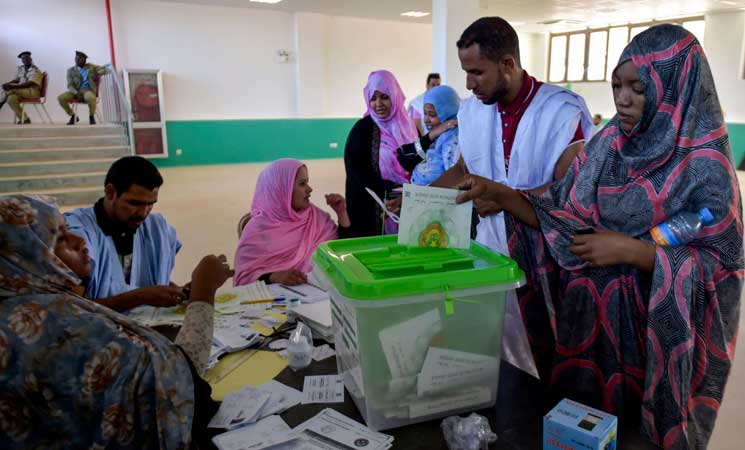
[
  {"x": 264, "y": 300},
  {"x": 292, "y": 290}
]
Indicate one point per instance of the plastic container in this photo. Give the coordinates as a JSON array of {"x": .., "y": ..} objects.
[
  {"x": 682, "y": 228},
  {"x": 418, "y": 331},
  {"x": 300, "y": 347}
]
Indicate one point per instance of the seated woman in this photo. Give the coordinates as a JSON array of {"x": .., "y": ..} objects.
[
  {"x": 75, "y": 374},
  {"x": 285, "y": 227},
  {"x": 427, "y": 163},
  {"x": 370, "y": 153},
  {"x": 642, "y": 330}
]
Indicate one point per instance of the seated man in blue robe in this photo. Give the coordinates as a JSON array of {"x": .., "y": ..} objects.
[{"x": 132, "y": 251}]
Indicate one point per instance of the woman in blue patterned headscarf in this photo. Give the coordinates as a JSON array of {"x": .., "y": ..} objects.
[
  {"x": 640, "y": 329},
  {"x": 74, "y": 374}
]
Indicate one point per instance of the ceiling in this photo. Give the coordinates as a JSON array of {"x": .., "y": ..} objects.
[{"x": 527, "y": 15}]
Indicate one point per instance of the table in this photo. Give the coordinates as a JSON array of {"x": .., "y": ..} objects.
[{"x": 517, "y": 419}]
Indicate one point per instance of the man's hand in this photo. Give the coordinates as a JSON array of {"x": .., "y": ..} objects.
[
  {"x": 211, "y": 273},
  {"x": 162, "y": 296},
  {"x": 479, "y": 188},
  {"x": 290, "y": 277}
]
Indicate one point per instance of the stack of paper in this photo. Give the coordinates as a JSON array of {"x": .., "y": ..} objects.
[
  {"x": 251, "y": 404},
  {"x": 318, "y": 317}
]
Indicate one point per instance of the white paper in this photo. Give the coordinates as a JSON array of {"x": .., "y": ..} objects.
[
  {"x": 380, "y": 203},
  {"x": 467, "y": 398},
  {"x": 445, "y": 369},
  {"x": 239, "y": 408},
  {"x": 323, "y": 389},
  {"x": 322, "y": 352},
  {"x": 260, "y": 435},
  {"x": 405, "y": 344},
  {"x": 319, "y": 312},
  {"x": 338, "y": 428},
  {"x": 279, "y": 344},
  {"x": 281, "y": 398},
  {"x": 431, "y": 218}
]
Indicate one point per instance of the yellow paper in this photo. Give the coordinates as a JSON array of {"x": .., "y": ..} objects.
[
  {"x": 259, "y": 368},
  {"x": 266, "y": 331}
]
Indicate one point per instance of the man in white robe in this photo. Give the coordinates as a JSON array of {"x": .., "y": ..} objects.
[
  {"x": 514, "y": 130},
  {"x": 132, "y": 251}
]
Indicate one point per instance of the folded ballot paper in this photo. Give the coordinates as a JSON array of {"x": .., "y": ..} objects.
[
  {"x": 431, "y": 218},
  {"x": 251, "y": 404}
]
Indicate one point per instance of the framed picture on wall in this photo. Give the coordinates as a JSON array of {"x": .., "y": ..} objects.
[{"x": 144, "y": 91}]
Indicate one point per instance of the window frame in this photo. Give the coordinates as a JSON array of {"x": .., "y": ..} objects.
[{"x": 588, "y": 31}]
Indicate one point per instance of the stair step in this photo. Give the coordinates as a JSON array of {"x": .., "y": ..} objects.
[
  {"x": 61, "y": 142},
  {"x": 32, "y": 131},
  {"x": 66, "y": 154},
  {"x": 55, "y": 167},
  {"x": 80, "y": 196},
  {"x": 36, "y": 183}
]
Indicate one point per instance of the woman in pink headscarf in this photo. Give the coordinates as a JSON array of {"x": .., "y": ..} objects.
[
  {"x": 285, "y": 227},
  {"x": 370, "y": 156}
]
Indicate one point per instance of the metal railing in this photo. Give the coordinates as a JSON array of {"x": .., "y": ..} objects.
[{"x": 114, "y": 106}]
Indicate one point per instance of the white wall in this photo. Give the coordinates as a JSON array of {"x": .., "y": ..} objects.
[
  {"x": 723, "y": 44},
  {"x": 356, "y": 47},
  {"x": 58, "y": 29},
  {"x": 220, "y": 63}
]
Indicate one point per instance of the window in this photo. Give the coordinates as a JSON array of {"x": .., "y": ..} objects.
[{"x": 592, "y": 54}]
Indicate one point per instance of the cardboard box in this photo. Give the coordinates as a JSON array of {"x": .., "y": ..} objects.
[{"x": 574, "y": 426}]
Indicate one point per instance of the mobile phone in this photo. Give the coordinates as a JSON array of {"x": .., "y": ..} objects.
[{"x": 584, "y": 230}]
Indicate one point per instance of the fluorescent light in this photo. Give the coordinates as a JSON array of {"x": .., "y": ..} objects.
[
  {"x": 265, "y": 1},
  {"x": 415, "y": 14},
  {"x": 725, "y": 2}
]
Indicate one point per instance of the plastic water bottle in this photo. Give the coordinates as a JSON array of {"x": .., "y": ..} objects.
[
  {"x": 300, "y": 347},
  {"x": 681, "y": 228}
]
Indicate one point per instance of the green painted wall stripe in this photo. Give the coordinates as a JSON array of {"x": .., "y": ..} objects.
[{"x": 242, "y": 141}]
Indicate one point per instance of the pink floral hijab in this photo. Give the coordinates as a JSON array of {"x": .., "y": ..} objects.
[
  {"x": 395, "y": 130},
  {"x": 277, "y": 237}
]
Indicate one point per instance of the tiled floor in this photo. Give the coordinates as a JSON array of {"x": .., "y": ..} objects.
[{"x": 204, "y": 204}]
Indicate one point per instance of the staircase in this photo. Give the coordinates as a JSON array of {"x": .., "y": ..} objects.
[{"x": 65, "y": 162}]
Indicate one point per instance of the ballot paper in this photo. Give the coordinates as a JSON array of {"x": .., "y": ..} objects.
[
  {"x": 239, "y": 408},
  {"x": 431, "y": 218},
  {"x": 228, "y": 299},
  {"x": 382, "y": 205},
  {"x": 446, "y": 369},
  {"x": 263, "y": 434},
  {"x": 330, "y": 429},
  {"x": 405, "y": 344},
  {"x": 322, "y": 352},
  {"x": 323, "y": 389},
  {"x": 281, "y": 398}
]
